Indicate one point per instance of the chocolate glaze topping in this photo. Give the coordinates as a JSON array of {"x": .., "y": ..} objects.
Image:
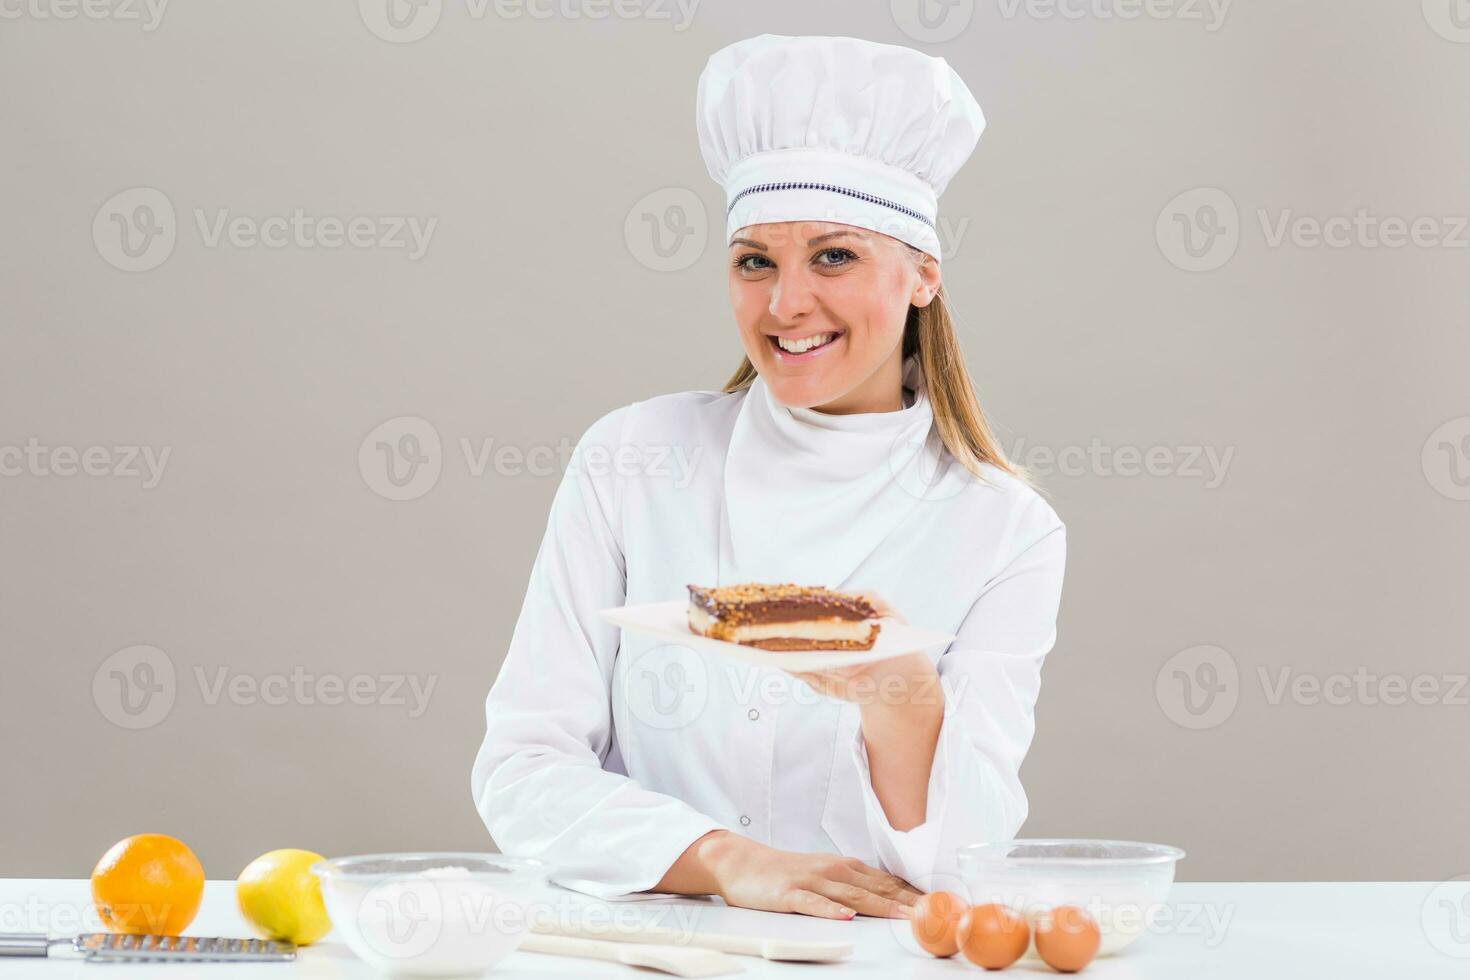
[{"x": 786, "y": 602}]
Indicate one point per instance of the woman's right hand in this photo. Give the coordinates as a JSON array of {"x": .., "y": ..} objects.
[{"x": 748, "y": 874}]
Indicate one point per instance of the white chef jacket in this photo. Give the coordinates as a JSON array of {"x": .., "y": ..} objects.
[{"x": 607, "y": 753}]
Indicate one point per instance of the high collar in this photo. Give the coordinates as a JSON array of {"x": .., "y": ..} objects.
[
  {"x": 809, "y": 495},
  {"x": 913, "y": 380}
]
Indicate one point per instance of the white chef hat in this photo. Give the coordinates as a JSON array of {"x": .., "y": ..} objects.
[{"x": 834, "y": 129}]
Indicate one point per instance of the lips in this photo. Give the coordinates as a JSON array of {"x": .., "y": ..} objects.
[{"x": 803, "y": 351}]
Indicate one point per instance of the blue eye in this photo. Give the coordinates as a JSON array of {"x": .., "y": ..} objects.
[
  {"x": 829, "y": 258},
  {"x": 740, "y": 263},
  {"x": 844, "y": 257}
]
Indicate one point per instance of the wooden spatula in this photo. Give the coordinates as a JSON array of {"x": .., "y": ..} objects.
[
  {"x": 792, "y": 950},
  {"x": 680, "y": 962}
]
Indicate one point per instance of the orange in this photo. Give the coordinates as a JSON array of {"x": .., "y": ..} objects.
[{"x": 148, "y": 883}]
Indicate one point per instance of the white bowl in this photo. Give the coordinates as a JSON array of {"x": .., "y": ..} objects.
[
  {"x": 1123, "y": 885},
  {"x": 432, "y": 915}
]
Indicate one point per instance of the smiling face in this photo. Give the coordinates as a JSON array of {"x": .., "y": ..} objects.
[{"x": 821, "y": 309}]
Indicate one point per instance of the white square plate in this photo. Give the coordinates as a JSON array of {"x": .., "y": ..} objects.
[{"x": 669, "y": 621}]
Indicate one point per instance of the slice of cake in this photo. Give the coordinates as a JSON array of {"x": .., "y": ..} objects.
[{"x": 783, "y": 617}]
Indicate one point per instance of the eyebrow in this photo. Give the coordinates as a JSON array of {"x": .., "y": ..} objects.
[{"x": 814, "y": 241}]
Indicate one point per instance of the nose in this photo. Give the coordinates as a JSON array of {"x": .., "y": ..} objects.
[{"x": 792, "y": 298}]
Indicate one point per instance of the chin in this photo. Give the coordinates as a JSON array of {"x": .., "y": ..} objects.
[{"x": 800, "y": 392}]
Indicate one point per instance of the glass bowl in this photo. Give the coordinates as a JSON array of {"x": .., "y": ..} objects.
[
  {"x": 432, "y": 914},
  {"x": 1123, "y": 885}
]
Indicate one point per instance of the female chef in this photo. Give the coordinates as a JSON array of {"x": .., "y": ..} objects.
[{"x": 848, "y": 450}]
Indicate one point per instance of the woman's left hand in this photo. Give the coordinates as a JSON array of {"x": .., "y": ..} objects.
[
  {"x": 903, "y": 681},
  {"x": 896, "y": 682}
]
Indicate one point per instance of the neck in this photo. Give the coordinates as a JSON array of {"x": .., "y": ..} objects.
[{"x": 881, "y": 391}]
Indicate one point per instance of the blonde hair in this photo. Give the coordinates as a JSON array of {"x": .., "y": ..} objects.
[{"x": 930, "y": 335}]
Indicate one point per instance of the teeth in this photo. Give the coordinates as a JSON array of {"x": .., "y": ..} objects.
[{"x": 805, "y": 344}]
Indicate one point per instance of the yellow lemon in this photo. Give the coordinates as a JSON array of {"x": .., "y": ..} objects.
[{"x": 281, "y": 899}]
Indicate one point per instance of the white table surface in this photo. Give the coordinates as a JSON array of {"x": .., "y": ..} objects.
[{"x": 1257, "y": 930}]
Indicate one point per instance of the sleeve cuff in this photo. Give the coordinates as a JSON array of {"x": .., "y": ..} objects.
[{"x": 647, "y": 861}]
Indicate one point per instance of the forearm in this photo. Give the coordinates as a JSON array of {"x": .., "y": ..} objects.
[{"x": 900, "y": 736}]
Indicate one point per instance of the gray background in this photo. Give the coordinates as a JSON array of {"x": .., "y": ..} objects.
[{"x": 1335, "y": 543}]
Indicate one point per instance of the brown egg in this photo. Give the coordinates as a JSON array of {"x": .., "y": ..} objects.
[
  {"x": 936, "y": 921},
  {"x": 993, "y": 936},
  {"x": 1066, "y": 938}
]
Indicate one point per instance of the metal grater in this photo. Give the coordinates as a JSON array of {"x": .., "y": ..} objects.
[{"x": 114, "y": 947}]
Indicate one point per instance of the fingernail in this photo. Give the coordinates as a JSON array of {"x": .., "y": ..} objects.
[
  {"x": 848, "y": 912},
  {"x": 905, "y": 911}
]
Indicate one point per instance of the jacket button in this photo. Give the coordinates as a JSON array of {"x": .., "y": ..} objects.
[
  {"x": 753, "y": 714},
  {"x": 744, "y": 820}
]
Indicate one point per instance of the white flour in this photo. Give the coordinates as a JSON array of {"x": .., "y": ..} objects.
[{"x": 439, "y": 922}]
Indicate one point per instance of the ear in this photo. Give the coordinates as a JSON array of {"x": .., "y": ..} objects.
[{"x": 929, "y": 282}]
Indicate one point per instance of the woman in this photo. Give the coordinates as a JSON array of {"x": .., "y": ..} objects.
[{"x": 848, "y": 450}]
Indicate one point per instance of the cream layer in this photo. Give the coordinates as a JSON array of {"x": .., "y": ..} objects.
[{"x": 805, "y": 629}]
